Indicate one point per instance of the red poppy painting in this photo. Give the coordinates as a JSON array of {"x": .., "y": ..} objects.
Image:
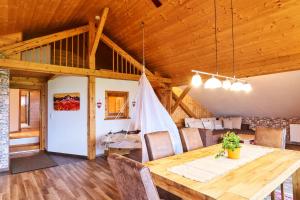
[{"x": 67, "y": 101}]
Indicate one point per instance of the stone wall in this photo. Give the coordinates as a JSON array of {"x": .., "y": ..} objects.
[
  {"x": 4, "y": 121},
  {"x": 272, "y": 123}
]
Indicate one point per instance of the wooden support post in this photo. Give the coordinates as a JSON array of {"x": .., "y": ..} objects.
[
  {"x": 92, "y": 59},
  {"x": 181, "y": 97},
  {"x": 91, "y": 118},
  {"x": 169, "y": 100},
  {"x": 99, "y": 31},
  {"x": 44, "y": 115},
  {"x": 91, "y": 97}
]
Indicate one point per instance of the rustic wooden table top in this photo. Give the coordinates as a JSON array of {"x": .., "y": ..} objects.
[{"x": 254, "y": 180}]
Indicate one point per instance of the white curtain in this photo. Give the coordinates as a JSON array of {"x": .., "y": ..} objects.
[{"x": 150, "y": 116}]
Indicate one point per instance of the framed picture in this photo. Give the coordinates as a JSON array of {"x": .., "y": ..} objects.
[{"x": 66, "y": 101}]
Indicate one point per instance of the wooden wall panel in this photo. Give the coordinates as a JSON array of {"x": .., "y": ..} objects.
[
  {"x": 11, "y": 39},
  {"x": 199, "y": 110}
]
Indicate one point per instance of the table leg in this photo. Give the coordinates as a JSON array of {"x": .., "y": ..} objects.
[
  {"x": 282, "y": 191},
  {"x": 273, "y": 195},
  {"x": 296, "y": 184}
]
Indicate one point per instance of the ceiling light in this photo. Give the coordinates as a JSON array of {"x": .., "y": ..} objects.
[
  {"x": 247, "y": 87},
  {"x": 237, "y": 86},
  {"x": 196, "y": 80},
  {"x": 213, "y": 83},
  {"x": 226, "y": 84}
]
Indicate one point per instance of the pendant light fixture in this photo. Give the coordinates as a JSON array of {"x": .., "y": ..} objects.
[
  {"x": 143, "y": 29},
  {"x": 237, "y": 85},
  {"x": 196, "y": 80},
  {"x": 229, "y": 82},
  {"x": 213, "y": 82},
  {"x": 226, "y": 84}
]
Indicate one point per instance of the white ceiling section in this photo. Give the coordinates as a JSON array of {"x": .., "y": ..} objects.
[{"x": 274, "y": 95}]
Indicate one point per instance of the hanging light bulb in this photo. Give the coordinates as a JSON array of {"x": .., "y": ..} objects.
[
  {"x": 237, "y": 86},
  {"x": 226, "y": 84},
  {"x": 196, "y": 80},
  {"x": 247, "y": 87},
  {"x": 213, "y": 83}
]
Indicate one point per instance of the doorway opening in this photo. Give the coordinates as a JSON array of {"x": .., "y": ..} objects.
[{"x": 25, "y": 120}]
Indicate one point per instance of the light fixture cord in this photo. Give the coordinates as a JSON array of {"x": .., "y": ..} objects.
[
  {"x": 216, "y": 40},
  {"x": 233, "y": 44},
  {"x": 143, "y": 29}
]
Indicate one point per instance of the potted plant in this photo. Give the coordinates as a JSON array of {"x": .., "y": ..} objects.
[{"x": 230, "y": 143}]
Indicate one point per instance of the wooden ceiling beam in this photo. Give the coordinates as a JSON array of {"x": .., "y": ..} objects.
[
  {"x": 99, "y": 31},
  {"x": 181, "y": 97},
  {"x": 39, "y": 41},
  {"x": 184, "y": 107},
  {"x": 56, "y": 69}
]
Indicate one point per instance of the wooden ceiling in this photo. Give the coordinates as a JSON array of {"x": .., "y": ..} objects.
[{"x": 179, "y": 34}]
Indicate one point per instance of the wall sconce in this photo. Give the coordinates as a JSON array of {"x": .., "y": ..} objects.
[
  {"x": 99, "y": 104},
  {"x": 133, "y": 103}
]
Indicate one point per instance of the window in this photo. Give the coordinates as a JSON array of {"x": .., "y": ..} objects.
[{"x": 116, "y": 104}]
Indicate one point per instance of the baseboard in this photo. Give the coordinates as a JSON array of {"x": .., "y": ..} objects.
[
  {"x": 4, "y": 171},
  {"x": 66, "y": 154},
  {"x": 293, "y": 143}
]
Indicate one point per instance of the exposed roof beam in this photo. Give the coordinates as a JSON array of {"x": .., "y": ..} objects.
[
  {"x": 99, "y": 31},
  {"x": 39, "y": 41},
  {"x": 56, "y": 69},
  {"x": 184, "y": 107},
  {"x": 180, "y": 98}
]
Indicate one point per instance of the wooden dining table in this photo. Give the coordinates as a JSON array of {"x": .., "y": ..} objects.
[{"x": 254, "y": 180}]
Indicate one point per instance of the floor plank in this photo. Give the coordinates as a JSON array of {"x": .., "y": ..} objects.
[{"x": 84, "y": 180}]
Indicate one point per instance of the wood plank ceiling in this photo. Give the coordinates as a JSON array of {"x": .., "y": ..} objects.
[{"x": 179, "y": 34}]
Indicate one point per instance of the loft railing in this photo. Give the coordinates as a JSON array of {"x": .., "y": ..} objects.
[{"x": 70, "y": 48}]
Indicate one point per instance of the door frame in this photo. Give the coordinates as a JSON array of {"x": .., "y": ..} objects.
[{"x": 43, "y": 89}]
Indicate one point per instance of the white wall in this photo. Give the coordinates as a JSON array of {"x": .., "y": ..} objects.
[
  {"x": 14, "y": 107},
  {"x": 21, "y": 141},
  {"x": 274, "y": 95},
  {"x": 67, "y": 130},
  {"x": 104, "y": 126}
]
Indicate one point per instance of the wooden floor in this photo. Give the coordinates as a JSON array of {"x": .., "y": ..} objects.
[
  {"x": 74, "y": 179},
  {"x": 80, "y": 180}
]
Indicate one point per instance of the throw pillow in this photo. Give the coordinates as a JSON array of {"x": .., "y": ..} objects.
[
  {"x": 187, "y": 122},
  {"x": 218, "y": 124},
  {"x": 227, "y": 123},
  {"x": 236, "y": 122},
  {"x": 197, "y": 123}
]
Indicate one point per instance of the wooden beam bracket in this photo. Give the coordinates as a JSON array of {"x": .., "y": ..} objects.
[{"x": 180, "y": 98}]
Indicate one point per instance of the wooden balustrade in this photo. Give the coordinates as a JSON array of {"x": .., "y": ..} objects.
[
  {"x": 122, "y": 65},
  {"x": 72, "y": 51}
]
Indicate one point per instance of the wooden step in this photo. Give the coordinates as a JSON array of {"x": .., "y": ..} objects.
[
  {"x": 24, "y": 134},
  {"x": 24, "y": 147}
]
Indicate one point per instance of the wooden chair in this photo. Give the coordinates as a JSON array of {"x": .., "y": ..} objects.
[
  {"x": 271, "y": 137},
  {"x": 133, "y": 179},
  {"x": 159, "y": 145},
  {"x": 190, "y": 139}
]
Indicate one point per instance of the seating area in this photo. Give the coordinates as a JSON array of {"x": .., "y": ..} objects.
[
  {"x": 159, "y": 146},
  {"x": 150, "y": 100}
]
